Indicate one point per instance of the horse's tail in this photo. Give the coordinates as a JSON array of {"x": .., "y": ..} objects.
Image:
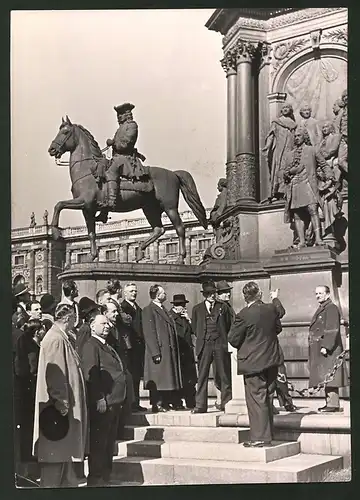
[{"x": 191, "y": 195}]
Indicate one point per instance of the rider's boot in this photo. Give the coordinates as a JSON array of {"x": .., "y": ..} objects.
[
  {"x": 103, "y": 216},
  {"x": 112, "y": 194}
]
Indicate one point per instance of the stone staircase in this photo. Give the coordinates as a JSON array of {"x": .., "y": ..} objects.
[{"x": 182, "y": 448}]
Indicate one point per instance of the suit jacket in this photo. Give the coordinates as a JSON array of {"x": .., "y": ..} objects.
[
  {"x": 135, "y": 329},
  {"x": 223, "y": 316},
  {"x": 104, "y": 373},
  {"x": 160, "y": 339},
  {"x": 254, "y": 333}
]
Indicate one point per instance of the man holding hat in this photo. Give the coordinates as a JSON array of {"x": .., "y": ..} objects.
[
  {"x": 211, "y": 321},
  {"x": 186, "y": 351},
  {"x": 125, "y": 157}
]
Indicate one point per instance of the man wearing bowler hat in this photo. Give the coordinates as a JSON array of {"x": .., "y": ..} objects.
[
  {"x": 125, "y": 160},
  {"x": 211, "y": 321},
  {"x": 186, "y": 351}
]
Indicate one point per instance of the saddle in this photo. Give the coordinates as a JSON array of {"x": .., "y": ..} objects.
[{"x": 100, "y": 167}]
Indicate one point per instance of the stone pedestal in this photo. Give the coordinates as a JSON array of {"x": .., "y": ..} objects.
[{"x": 237, "y": 404}]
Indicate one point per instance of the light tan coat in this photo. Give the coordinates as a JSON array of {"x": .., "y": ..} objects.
[{"x": 60, "y": 377}]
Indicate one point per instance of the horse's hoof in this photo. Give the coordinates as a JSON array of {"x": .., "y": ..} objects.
[{"x": 56, "y": 234}]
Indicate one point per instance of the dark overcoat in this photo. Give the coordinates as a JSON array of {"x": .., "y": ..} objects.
[
  {"x": 160, "y": 339},
  {"x": 223, "y": 315},
  {"x": 325, "y": 332},
  {"x": 254, "y": 334},
  {"x": 186, "y": 349}
]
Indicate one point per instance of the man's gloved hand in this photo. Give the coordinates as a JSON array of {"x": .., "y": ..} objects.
[{"x": 157, "y": 359}]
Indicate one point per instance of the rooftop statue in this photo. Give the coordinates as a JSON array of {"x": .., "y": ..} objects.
[{"x": 91, "y": 192}]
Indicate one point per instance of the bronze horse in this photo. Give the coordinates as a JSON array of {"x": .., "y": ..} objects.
[{"x": 87, "y": 193}]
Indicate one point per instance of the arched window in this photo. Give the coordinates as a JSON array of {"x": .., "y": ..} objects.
[
  {"x": 18, "y": 279},
  {"x": 39, "y": 285}
]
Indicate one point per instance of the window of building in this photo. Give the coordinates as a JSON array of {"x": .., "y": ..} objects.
[
  {"x": 39, "y": 285},
  {"x": 110, "y": 255},
  {"x": 203, "y": 244},
  {"x": 19, "y": 260},
  {"x": 171, "y": 248},
  {"x": 81, "y": 257}
]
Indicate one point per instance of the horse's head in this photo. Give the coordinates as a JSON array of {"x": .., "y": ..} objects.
[{"x": 65, "y": 139}]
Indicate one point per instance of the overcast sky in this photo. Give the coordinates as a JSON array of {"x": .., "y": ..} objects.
[{"x": 82, "y": 63}]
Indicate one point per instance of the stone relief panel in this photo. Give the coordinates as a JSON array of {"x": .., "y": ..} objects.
[{"x": 319, "y": 82}]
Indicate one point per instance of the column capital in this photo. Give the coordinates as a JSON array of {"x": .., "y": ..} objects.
[
  {"x": 265, "y": 50},
  {"x": 245, "y": 50},
  {"x": 228, "y": 63}
]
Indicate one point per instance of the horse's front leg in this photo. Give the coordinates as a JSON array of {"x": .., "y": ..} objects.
[
  {"x": 90, "y": 224},
  {"x": 74, "y": 204}
]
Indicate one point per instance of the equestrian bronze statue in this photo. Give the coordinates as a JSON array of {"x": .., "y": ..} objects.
[{"x": 156, "y": 190}]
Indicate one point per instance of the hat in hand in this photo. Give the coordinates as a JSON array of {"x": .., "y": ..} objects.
[
  {"x": 223, "y": 286},
  {"x": 87, "y": 305},
  {"x": 53, "y": 425},
  {"x": 208, "y": 287},
  {"x": 179, "y": 299}
]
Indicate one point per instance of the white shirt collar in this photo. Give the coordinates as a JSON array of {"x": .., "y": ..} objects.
[
  {"x": 158, "y": 304},
  {"x": 103, "y": 341}
]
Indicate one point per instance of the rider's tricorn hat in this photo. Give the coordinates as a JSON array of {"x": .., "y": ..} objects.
[{"x": 123, "y": 108}]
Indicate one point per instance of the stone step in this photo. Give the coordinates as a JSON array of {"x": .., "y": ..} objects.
[
  {"x": 208, "y": 451},
  {"x": 169, "y": 471},
  {"x": 193, "y": 434},
  {"x": 176, "y": 418}
]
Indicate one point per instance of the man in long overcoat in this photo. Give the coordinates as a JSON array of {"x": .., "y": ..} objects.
[
  {"x": 325, "y": 345},
  {"x": 186, "y": 350},
  {"x": 162, "y": 364},
  {"x": 254, "y": 334},
  {"x": 60, "y": 383}
]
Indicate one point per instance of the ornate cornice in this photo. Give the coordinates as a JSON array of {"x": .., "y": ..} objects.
[
  {"x": 277, "y": 21},
  {"x": 338, "y": 35}
]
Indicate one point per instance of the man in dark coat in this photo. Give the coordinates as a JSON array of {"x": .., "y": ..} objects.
[
  {"x": 86, "y": 308},
  {"x": 134, "y": 332},
  {"x": 186, "y": 349},
  {"x": 106, "y": 390},
  {"x": 162, "y": 364},
  {"x": 325, "y": 345},
  {"x": 211, "y": 321},
  {"x": 254, "y": 334},
  {"x": 22, "y": 296}
]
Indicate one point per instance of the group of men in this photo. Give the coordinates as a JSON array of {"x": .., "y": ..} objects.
[{"x": 95, "y": 353}]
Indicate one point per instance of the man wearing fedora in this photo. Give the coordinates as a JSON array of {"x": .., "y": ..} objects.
[
  {"x": 22, "y": 297},
  {"x": 211, "y": 321},
  {"x": 106, "y": 389},
  {"x": 125, "y": 160},
  {"x": 162, "y": 374},
  {"x": 186, "y": 350},
  {"x": 60, "y": 424}
]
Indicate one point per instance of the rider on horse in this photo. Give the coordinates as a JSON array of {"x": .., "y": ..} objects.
[{"x": 125, "y": 160}]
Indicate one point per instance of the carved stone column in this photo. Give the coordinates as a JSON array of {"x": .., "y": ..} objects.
[
  {"x": 188, "y": 249},
  {"x": 242, "y": 176},
  {"x": 156, "y": 252},
  {"x": 125, "y": 252},
  {"x": 46, "y": 285},
  {"x": 32, "y": 271},
  {"x": 229, "y": 66}
]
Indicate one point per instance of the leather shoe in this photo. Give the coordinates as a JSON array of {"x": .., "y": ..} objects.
[
  {"x": 178, "y": 407},
  {"x": 256, "y": 444},
  {"x": 198, "y": 410},
  {"x": 329, "y": 409},
  {"x": 219, "y": 407},
  {"x": 290, "y": 408}
]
